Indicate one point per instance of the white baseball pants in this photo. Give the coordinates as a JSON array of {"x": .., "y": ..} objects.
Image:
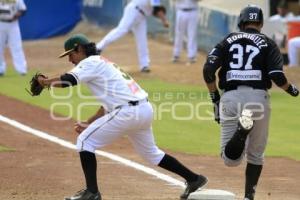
[
  {"x": 293, "y": 51},
  {"x": 10, "y": 35},
  {"x": 186, "y": 25},
  {"x": 134, "y": 21},
  {"x": 133, "y": 121}
]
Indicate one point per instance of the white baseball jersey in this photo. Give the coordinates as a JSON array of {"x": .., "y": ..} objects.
[
  {"x": 114, "y": 88},
  {"x": 8, "y": 8},
  {"x": 184, "y": 4},
  {"x": 110, "y": 85},
  {"x": 293, "y": 51},
  {"x": 146, "y": 5},
  {"x": 288, "y": 17}
]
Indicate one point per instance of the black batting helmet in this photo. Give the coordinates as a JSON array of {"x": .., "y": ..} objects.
[{"x": 251, "y": 13}]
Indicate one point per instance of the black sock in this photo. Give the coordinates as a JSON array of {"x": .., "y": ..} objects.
[
  {"x": 172, "y": 164},
  {"x": 89, "y": 167},
  {"x": 235, "y": 147},
  {"x": 252, "y": 175}
]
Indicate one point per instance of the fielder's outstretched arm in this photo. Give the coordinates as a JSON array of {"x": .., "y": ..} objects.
[{"x": 63, "y": 81}]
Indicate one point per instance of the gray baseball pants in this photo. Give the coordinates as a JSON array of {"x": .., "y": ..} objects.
[{"x": 231, "y": 105}]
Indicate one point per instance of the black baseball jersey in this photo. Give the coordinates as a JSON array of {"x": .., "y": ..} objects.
[{"x": 246, "y": 58}]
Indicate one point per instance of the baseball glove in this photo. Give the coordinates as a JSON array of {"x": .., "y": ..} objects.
[
  {"x": 157, "y": 9},
  {"x": 35, "y": 87}
]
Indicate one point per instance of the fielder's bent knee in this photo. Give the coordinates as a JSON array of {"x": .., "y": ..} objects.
[
  {"x": 83, "y": 145},
  {"x": 153, "y": 158}
]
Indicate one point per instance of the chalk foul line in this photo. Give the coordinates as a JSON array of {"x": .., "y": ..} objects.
[{"x": 108, "y": 155}]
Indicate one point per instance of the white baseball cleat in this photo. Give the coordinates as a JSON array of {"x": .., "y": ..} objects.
[{"x": 246, "y": 120}]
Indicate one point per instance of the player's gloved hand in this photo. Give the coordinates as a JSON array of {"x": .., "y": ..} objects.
[
  {"x": 215, "y": 98},
  {"x": 36, "y": 84},
  {"x": 292, "y": 90}
]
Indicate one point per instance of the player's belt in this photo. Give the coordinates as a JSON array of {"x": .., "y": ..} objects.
[
  {"x": 6, "y": 20},
  {"x": 243, "y": 86},
  {"x": 140, "y": 10},
  {"x": 188, "y": 9},
  {"x": 2, "y": 11},
  {"x": 133, "y": 103}
]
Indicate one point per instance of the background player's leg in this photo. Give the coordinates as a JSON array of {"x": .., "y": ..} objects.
[
  {"x": 3, "y": 40},
  {"x": 192, "y": 45},
  {"x": 180, "y": 29},
  {"x": 141, "y": 41},
  {"x": 16, "y": 49},
  {"x": 130, "y": 17}
]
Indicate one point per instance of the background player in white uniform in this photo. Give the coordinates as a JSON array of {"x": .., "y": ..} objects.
[
  {"x": 283, "y": 13},
  {"x": 134, "y": 19},
  {"x": 125, "y": 110},
  {"x": 293, "y": 51},
  {"x": 10, "y": 11},
  {"x": 186, "y": 27}
]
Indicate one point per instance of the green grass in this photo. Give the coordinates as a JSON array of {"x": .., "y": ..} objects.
[
  {"x": 5, "y": 149},
  {"x": 191, "y": 132}
]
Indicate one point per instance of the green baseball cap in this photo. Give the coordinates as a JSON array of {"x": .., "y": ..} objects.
[{"x": 73, "y": 42}]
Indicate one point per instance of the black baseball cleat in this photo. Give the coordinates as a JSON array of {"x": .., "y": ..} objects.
[
  {"x": 175, "y": 59},
  {"x": 98, "y": 51},
  {"x": 249, "y": 196},
  {"x": 245, "y": 120},
  {"x": 193, "y": 186},
  {"x": 192, "y": 60},
  {"x": 146, "y": 70},
  {"x": 85, "y": 195}
]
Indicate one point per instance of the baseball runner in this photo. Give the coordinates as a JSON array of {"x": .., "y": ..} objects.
[
  {"x": 10, "y": 11},
  {"x": 125, "y": 110},
  {"x": 186, "y": 27},
  {"x": 134, "y": 19},
  {"x": 247, "y": 61}
]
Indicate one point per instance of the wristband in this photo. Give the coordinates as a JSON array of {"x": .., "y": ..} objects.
[
  {"x": 215, "y": 96},
  {"x": 292, "y": 90}
]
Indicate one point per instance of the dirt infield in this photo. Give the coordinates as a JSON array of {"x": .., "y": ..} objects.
[{"x": 38, "y": 169}]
